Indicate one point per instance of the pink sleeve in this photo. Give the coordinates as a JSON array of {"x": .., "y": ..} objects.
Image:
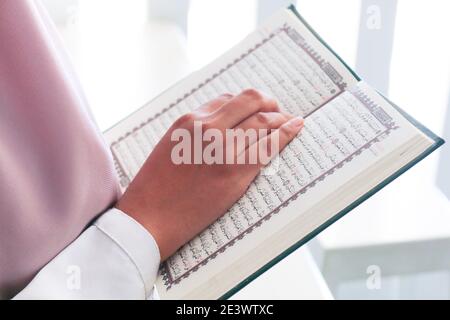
[{"x": 56, "y": 174}]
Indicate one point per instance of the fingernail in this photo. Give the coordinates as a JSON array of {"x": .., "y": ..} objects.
[{"x": 297, "y": 122}]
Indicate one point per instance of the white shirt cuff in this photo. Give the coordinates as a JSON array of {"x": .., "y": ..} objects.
[
  {"x": 135, "y": 241},
  {"x": 115, "y": 258}
]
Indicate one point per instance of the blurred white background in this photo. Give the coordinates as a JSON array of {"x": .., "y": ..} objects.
[{"x": 394, "y": 246}]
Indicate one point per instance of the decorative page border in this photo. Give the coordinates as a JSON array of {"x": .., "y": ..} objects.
[
  {"x": 334, "y": 76},
  {"x": 377, "y": 111},
  {"x": 374, "y": 109},
  {"x": 329, "y": 70}
]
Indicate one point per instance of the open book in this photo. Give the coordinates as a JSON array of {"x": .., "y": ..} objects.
[{"x": 354, "y": 142}]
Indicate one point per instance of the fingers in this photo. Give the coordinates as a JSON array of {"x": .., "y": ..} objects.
[
  {"x": 214, "y": 105},
  {"x": 243, "y": 106},
  {"x": 249, "y": 129},
  {"x": 271, "y": 145},
  {"x": 262, "y": 123},
  {"x": 264, "y": 120}
]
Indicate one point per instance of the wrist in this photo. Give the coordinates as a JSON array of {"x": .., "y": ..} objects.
[{"x": 147, "y": 220}]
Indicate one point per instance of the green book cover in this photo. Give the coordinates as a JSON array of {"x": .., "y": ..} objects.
[{"x": 437, "y": 143}]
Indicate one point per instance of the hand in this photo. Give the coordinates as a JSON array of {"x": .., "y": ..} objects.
[{"x": 175, "y": 202}]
